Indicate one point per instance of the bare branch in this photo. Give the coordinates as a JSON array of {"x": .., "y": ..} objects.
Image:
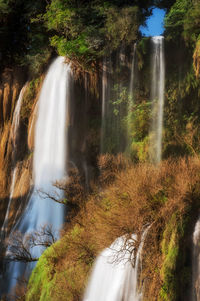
[
  {"x": 52, "y": 196},
  {"x": 72, "y": 188},
  {"x": 19, "y": 246}
]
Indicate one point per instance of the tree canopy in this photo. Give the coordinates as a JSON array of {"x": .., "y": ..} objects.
[
  {"x": 183, "y": 23},
  {"x": 84, "y": 30},
  {"x": 19, "y": 36}
]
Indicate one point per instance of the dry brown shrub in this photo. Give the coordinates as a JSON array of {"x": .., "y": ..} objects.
[
  {"x": 109, "y": 165},
  {"x": 133, "y": 197},
  {"x": 139, "y": 195},
  {"x": 196, "y": 59},
  {"x": 74, "y": 189}
]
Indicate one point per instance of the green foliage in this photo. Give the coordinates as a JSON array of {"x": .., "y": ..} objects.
[
  {"x": 43, "y": 277},
  {"x": 121, "y": 25},
  {"x": 123, "y": 98},
  {"x": 181, "y": 109},
  {"x": 22, "y": 39},
  {"x": 86, "y": 31},
  {"x": 74, "y": 49},
  {"x": 4, "y": 8},
  {"x": 83, "y": 31},
  {"x": 138, "y": 120},
  {"x": 183, "y": 22},
  {"x": 114, "y": 126},
  {"x": 127, "y": 124},
  {"x": 176, "y": 270},
  {"x": 28, "y": 98},
  {"x": 192, "y": 22},
  {"x": 142, "y": 50},
  {"x": 36, "y": 62},
  {"x": 174, "y": 20},
  {"x": 138, "y": 124}
]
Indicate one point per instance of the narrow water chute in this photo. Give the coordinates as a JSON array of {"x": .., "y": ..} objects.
[
  {"x": 195, "y": 295},
  {"x": 157, "y": 96},
  {"x": 14, "y": 135}
]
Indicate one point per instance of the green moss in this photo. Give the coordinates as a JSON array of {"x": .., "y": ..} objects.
[
  {"x": 174, "y": 273},
  {"x": 46, "y": 283},
  {"x": 40, "y": 280},
  {"x": 170, "y": 250}
]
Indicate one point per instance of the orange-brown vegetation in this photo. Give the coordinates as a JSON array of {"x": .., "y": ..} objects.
[
  {"x": 196, "y": 58},
  {"x": 130, "y": 196}
]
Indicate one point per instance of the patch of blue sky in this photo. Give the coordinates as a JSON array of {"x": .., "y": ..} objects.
[{"x": 155, "y": 23}]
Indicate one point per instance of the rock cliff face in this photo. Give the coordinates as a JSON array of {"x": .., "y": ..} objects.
[
  {"x": 9, "y": 90},
  {"x": 15, "y": 148}
]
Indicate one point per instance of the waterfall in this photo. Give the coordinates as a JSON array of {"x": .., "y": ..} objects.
[
  {"x": 196, "y": 263},
  {"x": 50, "y": 152},
  {"x": 114, "y": 108},
  {"x": 114, "y": 278},
  {"x": 4, "y": 228},
  {"x": 157, "y": 96},
  {"x": 16, "y": 116},
  {"x": 131, "y": 96},
  {"x": 49, "y": 161},
  {"x": 14, "y": 134},
  {"x": 49, "y": 164}
]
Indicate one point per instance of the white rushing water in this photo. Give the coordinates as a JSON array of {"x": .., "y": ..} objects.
[
  {"x": 114, "y": 278},
  {"x": 196, "y": 263},
  {"x": 4, "y": 228},
  {"x": 50, "y": 151},
  {"x": 131, "y": 92},
  {"x": 49, "y": 161},
  {"x": 16, "y": 116},
  {"x": 157, "y": 95}
]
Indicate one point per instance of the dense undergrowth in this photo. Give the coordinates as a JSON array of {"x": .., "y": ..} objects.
[{"x": 166, "y": 196}]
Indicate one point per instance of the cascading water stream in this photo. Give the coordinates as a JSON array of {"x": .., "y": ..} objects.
[
  {"x": 16, "y": 116},
  {"x": 131, "y": 92},
  {"x": 49, "y": 162},
  {"x": 196, "y": 263},
  {"x": 157, "y": 96},
  {"x": 14, "y": 133},
  {"x": 5, "y": 223},
  {"x": 115, "y": 137},
  {"x": 114, "y": 278},
  {"x": 112, "y": 138}
]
